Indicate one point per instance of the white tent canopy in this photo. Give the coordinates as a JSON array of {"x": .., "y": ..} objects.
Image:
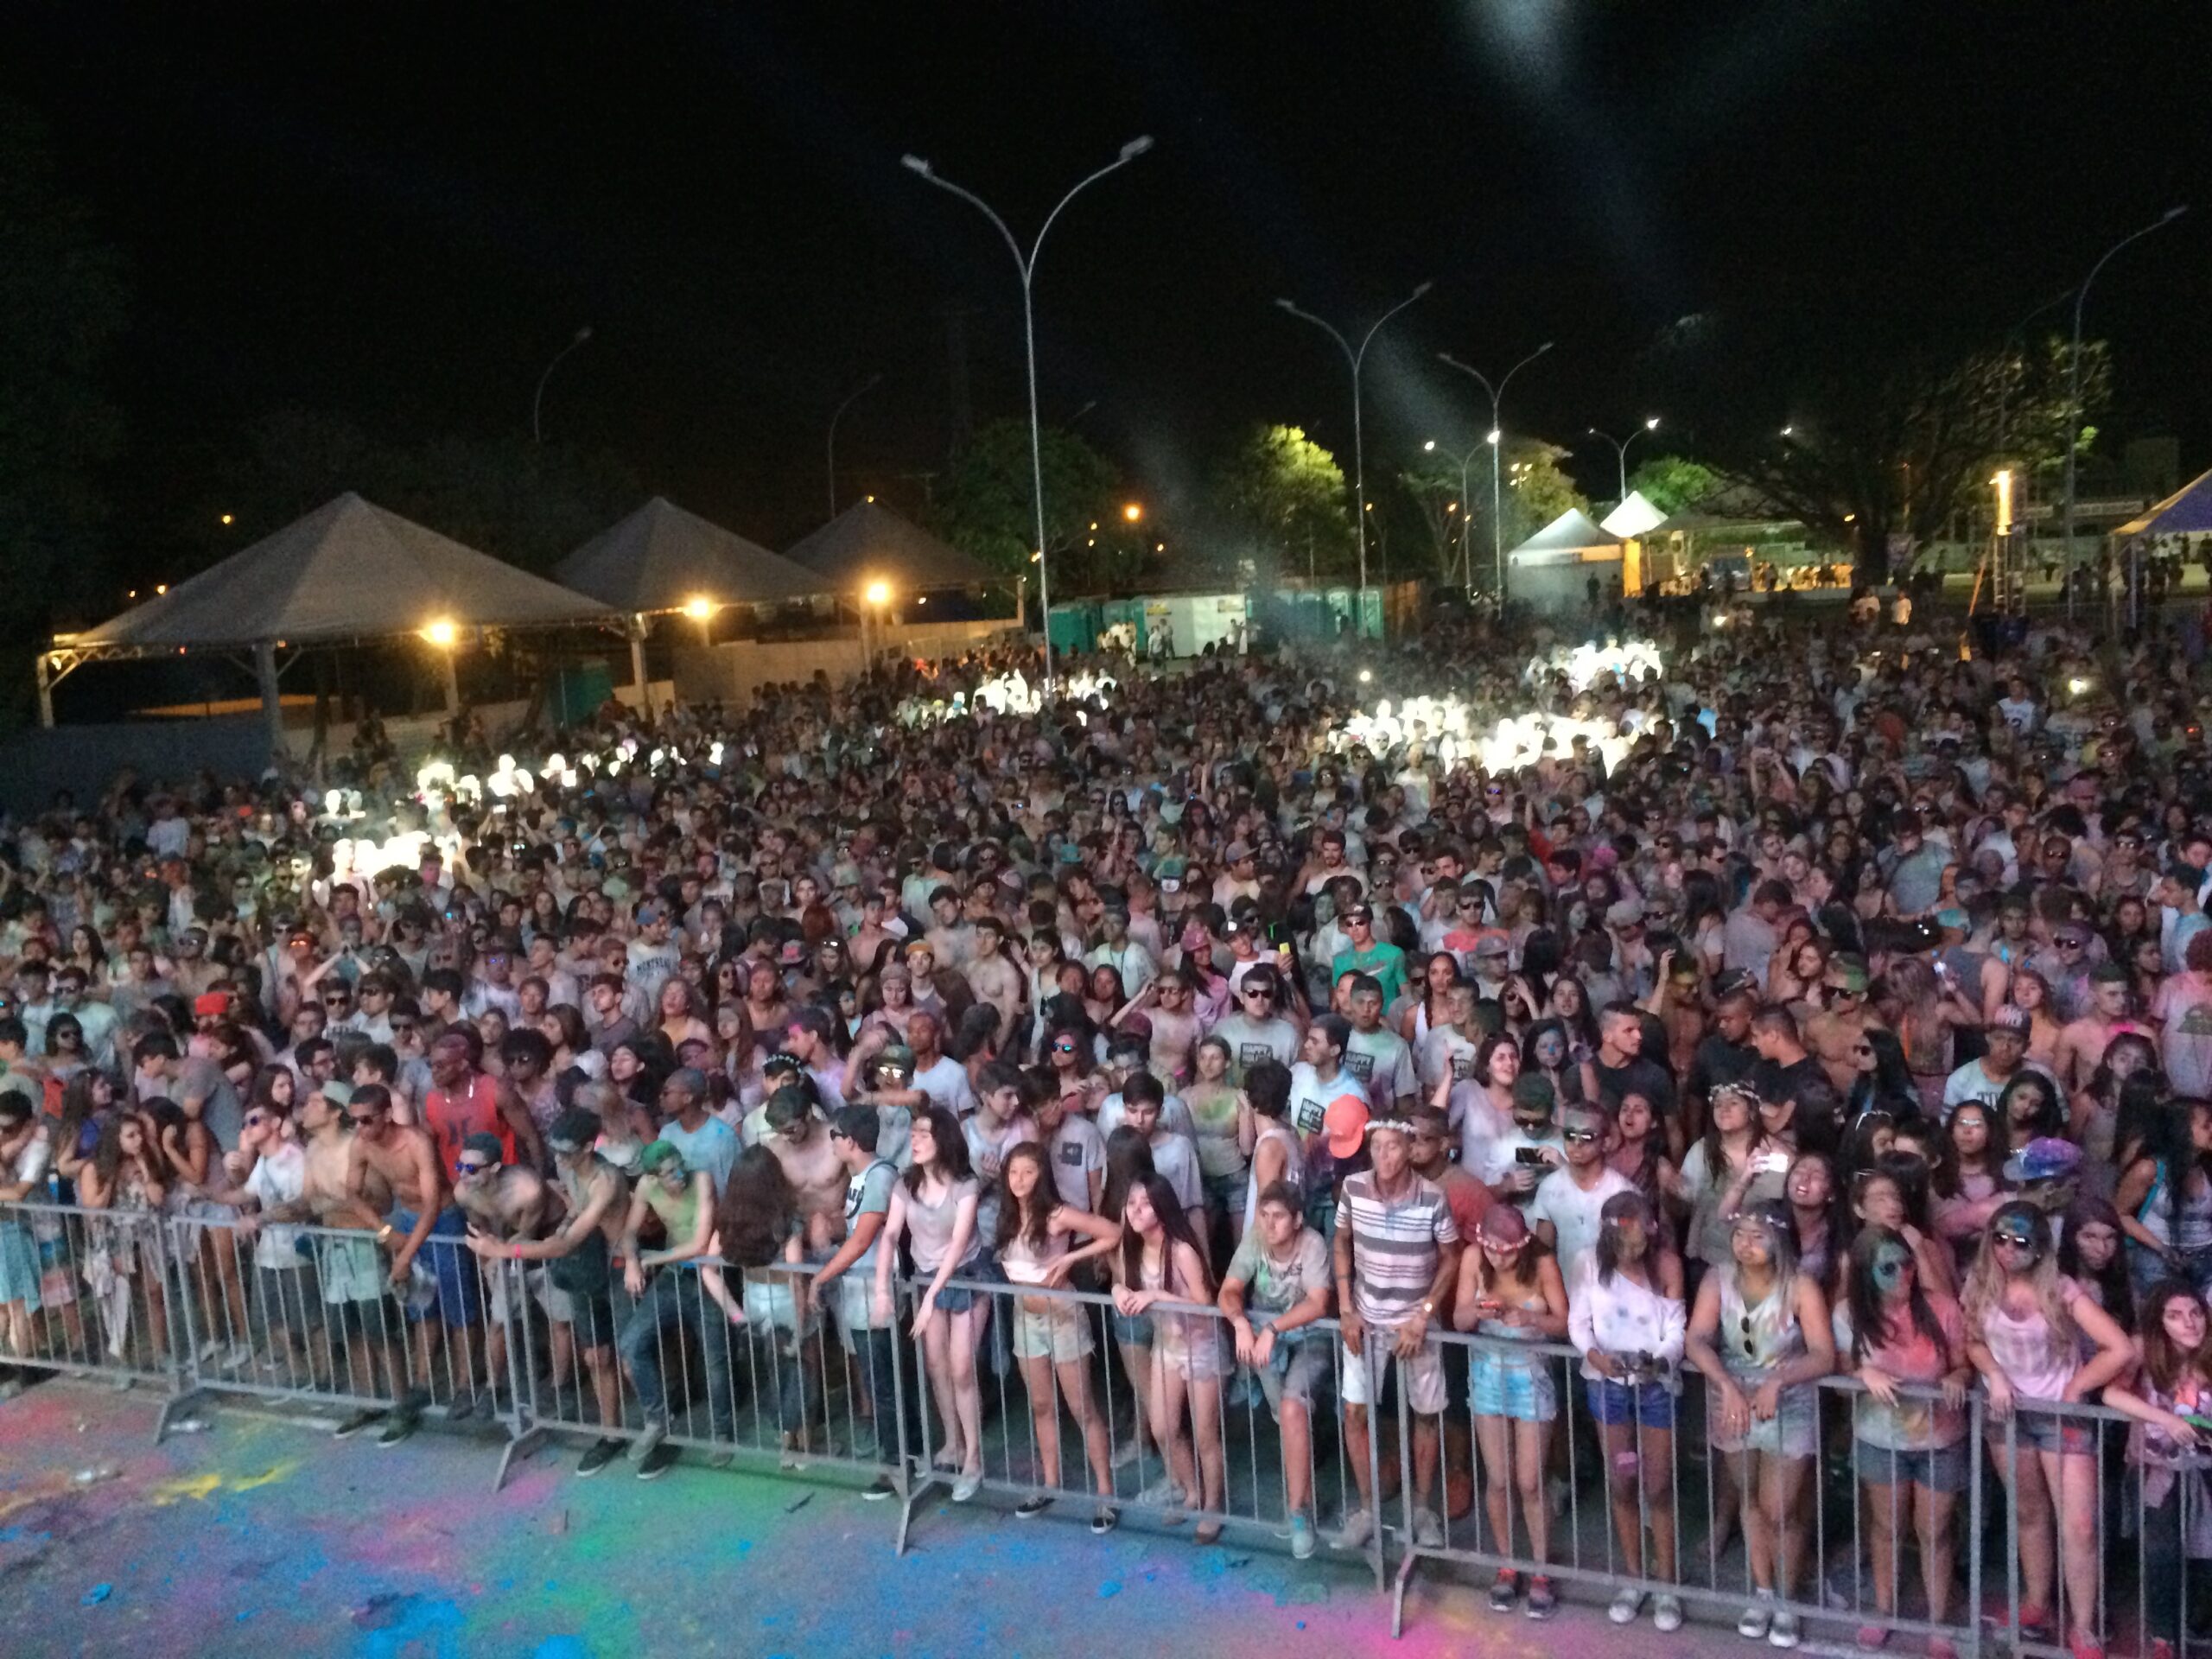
[
  {"x": 1565, "y": 539},
  {"x": 1634, "y": 516}
]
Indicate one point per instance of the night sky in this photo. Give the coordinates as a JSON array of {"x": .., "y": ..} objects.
[{"x": 399, "y": 214}]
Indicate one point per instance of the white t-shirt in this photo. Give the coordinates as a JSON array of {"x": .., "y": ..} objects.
[
  {"x": 1573, "y": 1212},
  {"x": 946, "y": 1083},
  {"x": 1310, "y": 1096},
  {"x": 276, "y": 1178},
  {"x": 1381, "y": 1059}
]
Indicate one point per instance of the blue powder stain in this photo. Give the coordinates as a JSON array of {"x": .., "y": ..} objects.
[
  {"x": 1301, "y": 1623},
  {"x": 425, "y": 1629},
  {"x": 247, "y": 1614},
  {"x": 1112, "y": 1587},
  {"x": 561, "y": 1647},
  {"x": 97, "y": 1594}
]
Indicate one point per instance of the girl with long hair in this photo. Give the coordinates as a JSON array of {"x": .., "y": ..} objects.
[
  {"x": 2093, "y": 1124},
  {"x": 1732, "y": 1165},
  {"x": 1760, "y": 1333},
  {"x": 1510, "y": 1290},
  {"x": 1894, "y": 1194},
  {"x": 759, "y": 1226},
  {"x": 934, "y": 1203},
  {"x": 2025, "y": 1325},
  {"x": 2170, "y": 1397},
  {"x": 2028, "y": 1109},
  {"x": 2164, "y": 1197},
  {"x": 2090, "y": 1253},
  {"x": 1816, "y": 1217},
  {"x": 1040, "y": 1242},
  {"x": 1894, "y": 1329},
  {"x": 1162, "y": 1260},
  {"x": 1968, "y": 1181},
  {"x": 1548, "y": 1050},
  {"x": 127, "y": 1177},
  {"x": 1625, "y": 1315}
]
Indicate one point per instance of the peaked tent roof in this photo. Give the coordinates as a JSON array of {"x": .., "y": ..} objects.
[
  {"x": 2187, "y": 510},
  {"x": 348, "y": 570},
  {"x": 866, "y": 542},
  {"x": 1632, "y": 517},
  {"x": 661, "y": 557},
  {"x": 1570, "y": 530}
]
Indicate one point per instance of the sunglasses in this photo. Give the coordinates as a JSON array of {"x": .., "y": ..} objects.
[
  {"x": 1069, "y": 1048},
  {"x": 1578, "y": 1137},
  {"x": 363, "y": 1119},
  {"x": 2014, "y": 1241}
]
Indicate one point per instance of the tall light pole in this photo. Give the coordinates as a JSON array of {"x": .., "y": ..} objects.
[
  {"x": 1620, "y": 448},
  {"x": 1026, "y": 264},
  {"x": 868, "y": 384},
  {"x": 1467, "y": 516},
  {"x": 1495, "y": 440},
  {"x": 1356, "y": 358},
  {"x": 2073, "y": 383},
  {"x": 538, "y": 402}
]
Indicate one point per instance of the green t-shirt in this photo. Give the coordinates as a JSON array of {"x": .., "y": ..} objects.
[{"x": 1385, "y": 962}]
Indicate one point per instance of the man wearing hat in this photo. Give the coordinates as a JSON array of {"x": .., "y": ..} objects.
[
  {"x": 1368, "y": 955},
  {"x": 1239, "y": 878},
  {"x": 1985, "y": 1079},
  {"x": 1396, "y": 1260}
]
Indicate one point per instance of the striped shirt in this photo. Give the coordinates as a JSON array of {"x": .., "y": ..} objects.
[{"x": 1394, "y": 1244}]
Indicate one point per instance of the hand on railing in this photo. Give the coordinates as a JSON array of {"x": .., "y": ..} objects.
[
  {"x": 1735, "y": 1411},
  {"x": 1997, "y": 1395}
]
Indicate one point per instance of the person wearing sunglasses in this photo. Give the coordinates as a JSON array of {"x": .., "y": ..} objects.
[
  {"x": 1565, "y": 1211},
  {"x": 2028, "y": 1329},
  {"x": 1256, "y": 1029},
  {"x": 1759, "y": 1333}
]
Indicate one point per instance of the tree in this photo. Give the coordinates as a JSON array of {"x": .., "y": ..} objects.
[
  {"x": 1675, "y": 484},
  {"x": 62, "y": 307},
  {"x": 1280, "y": 498},
  {"x": 986, "y": 505},
  {"x": 1892, "y": 422}
]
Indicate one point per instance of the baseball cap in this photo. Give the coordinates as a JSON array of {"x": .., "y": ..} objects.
[
  {"x": 337, "y": 1091},
  {"x": 2012, "y": 1018},
  {"x": 897, "y": 1057},
  {"x": 1493, "y": 945},
  {"x": 1625, "y": 912},
  {"x": 1344, "y": 1122},
  {"x": 485, "y": 1144},
  {"x": 2045, "y": 1158},
  {"x": 1360, "y": 911},
  {"x": 1953, "y": 917},
  {"x": 2071, "y": 933},
  {"x": 649, "y": 913},
  {"x": 792, "y": 954},
  {"x": 212, "y": 1004},
  {"x": 1236, "y": 852}
]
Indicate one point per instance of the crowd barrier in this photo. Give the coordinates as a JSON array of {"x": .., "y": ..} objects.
[{"x": 743, "y": 1367}]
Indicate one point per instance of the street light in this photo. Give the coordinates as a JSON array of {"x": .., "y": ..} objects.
[
  {"x": 1133, "y": 511},
  {"x": 1358, "y": 437},
  {"x": 1496, "y": 439},
  {"x": 1026, "y": 264},
  {"x": 1620, "y": 448},
  {"x": 536, "y": 433},
  {"x": 2073, "y": 383},
  {"x": 868, "y": 384}
]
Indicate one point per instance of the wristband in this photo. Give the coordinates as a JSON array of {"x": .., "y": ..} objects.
[{"x": 514, "y": 1252}]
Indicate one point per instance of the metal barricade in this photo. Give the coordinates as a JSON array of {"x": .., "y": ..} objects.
[
  {"x": 1071, "y": 1404},
  {"x": 730, "y": 1362},
  {"x": 94, "y": 1296},
  {"x": 313, "y": 1315}
]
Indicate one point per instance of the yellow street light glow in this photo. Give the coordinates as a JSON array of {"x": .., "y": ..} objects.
[
  {"x": 698, "y": 607},
  {"x": 1132, "y": 512},
  {"x": 879, "y": 593},
  {"x": 1429, "y": 448},
  {"x": 161, "y": 588},
  {"x": 2003, "y": 481},
  {"x": 226, "y": 518},
  {"x": 441, "y": 633}
]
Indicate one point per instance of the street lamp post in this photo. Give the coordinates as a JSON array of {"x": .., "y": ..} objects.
[
  {"x": 538, "y": 402},
  {"x": 868, "y": 384},
  {"x": 1495, "y": 440},
  {"x": 1620, "y": 449},
  {"x": 1357, "y": 358},
  {"x": 2074, "y": 384},
  {"x": 1026, "y": 264}
]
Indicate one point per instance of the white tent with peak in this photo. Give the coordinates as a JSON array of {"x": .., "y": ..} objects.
[{"x": 1634, "y": 516}]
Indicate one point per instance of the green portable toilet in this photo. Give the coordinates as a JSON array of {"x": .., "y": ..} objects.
[
  {"x": 580, "y": 691},
  {"x": 1074, "y": 625}
]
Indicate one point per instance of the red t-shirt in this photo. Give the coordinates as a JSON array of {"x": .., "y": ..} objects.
[{"x": 453, "y": 1117}]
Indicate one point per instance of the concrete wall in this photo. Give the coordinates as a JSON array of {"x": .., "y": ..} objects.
[{"x": 733, "y": 671}]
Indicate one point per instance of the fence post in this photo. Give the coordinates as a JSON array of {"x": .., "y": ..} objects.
[{"x": 186, "y": 1383}]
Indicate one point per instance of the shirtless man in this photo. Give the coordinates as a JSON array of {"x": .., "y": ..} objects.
[
  {"x": 359, "y": 1309},
  {"x": 1175, "y": 1030},
  {"x": 801, "y": 1144},
  {"x": 947, "y": 935},
  {"x": 504, "y": 1201},
  {"x": 579, "y": 1254},
  {"x": 684, "y": 1200},
  {"x": 2081, "y": 1043},
  {"x": 403, "y": 1163},
  {"x": 993, "y": 977},
  {"x": 1844, "y": 1020}
]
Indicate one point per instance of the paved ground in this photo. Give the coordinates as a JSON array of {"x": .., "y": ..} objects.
[{"x": 266, "y": 1537}]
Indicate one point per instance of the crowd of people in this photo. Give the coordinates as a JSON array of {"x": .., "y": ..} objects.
[{"x": 1843, "y": 1006}]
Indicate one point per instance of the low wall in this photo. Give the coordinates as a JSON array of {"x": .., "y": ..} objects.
[{"x": 734, "y": 672}]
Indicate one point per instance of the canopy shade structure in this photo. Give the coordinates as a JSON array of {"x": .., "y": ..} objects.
[
  {"x": 1632, "y": 517},
  {"x": 662, "y": 558},
  {"x": 348, "y": 572},
  {"x": 867, "y": 543},
  {"x": 1565, "y": 538},
  {"x": 2187, "y": 511}
]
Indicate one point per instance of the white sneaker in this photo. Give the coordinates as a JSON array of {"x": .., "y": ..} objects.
[
  {"x": 1783, "y": 1632},
  {"x": 1667, "y": 1614},
  {"x": 1162, "y": 1494},
  {"x": 1757, "y": 1618},
  {"x": 1358, "y": 1527},
  {"x": 1429, "y": 1532},
  {"x": 655, "y": 1432},
  {"x": 1626, "y": 1605}
]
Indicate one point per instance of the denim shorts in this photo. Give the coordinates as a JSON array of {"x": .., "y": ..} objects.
[
  {"x": 1614, "y": 1402},
  {"x": 2046, "y": 1430},
  {"x": 1939, "y": 1468},
  {"x": 1130, "y": 1330}
]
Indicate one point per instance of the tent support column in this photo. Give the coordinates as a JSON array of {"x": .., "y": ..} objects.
[
  {"x": 272, "y": 701},
  {"x": 637, "y": 632},
  {"x": 44, "y": 668},
  {"x": 448, "y": 664}
]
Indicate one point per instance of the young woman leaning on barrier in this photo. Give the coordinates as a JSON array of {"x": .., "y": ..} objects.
[
  {"x": 1891, "y": 1329},
  {"x": 2170, "y": 1399},
  {"x": 2024, "y": 1325},
  {"x": 1625, "y": 1315}
]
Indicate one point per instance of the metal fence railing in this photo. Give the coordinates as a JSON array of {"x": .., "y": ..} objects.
[{"x": 1841, "y": 1517}]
